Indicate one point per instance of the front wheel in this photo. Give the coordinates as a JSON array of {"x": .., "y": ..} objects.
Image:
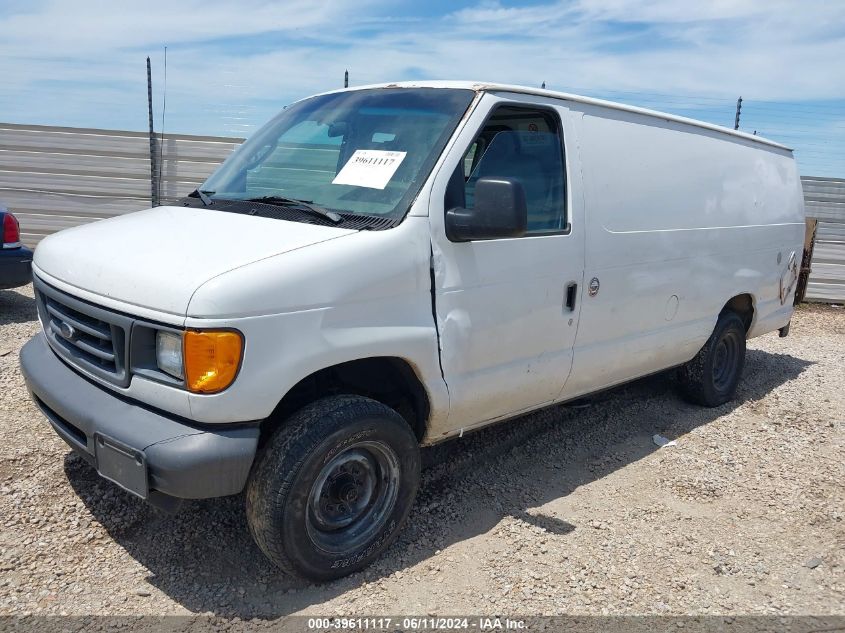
[
  {"x": 711, "y": 378},
  {"x": 333, "y": 487}
]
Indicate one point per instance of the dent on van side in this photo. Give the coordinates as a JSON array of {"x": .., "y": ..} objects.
[{"x": 418, "y": 260}]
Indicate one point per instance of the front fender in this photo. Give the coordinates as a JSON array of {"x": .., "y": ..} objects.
[{"x": 365, "y": 295}]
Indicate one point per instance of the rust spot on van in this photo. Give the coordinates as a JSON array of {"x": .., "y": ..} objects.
[{"x": 472, "y": 104}]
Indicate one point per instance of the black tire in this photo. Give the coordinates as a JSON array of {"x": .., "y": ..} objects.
[
  {"x": 711, "y": 378},
  {"x": 333, "y": 487}
]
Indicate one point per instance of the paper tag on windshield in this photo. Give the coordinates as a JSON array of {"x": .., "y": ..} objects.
[{"x": 371, "y": 168}]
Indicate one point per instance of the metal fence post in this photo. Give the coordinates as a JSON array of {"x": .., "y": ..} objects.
[{"x": 154, "y": 201}]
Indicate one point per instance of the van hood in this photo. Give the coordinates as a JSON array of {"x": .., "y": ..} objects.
[{"x": 156, "y": 259}]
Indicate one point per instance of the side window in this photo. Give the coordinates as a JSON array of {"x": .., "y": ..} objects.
[
  {"x": 473, "y": 154},
  {"x": 523, "y": 144}
]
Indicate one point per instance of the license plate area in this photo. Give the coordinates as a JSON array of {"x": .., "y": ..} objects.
[{"x": 121, "y": 464}]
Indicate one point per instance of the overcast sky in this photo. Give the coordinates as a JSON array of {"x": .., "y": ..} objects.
[{"x": 231, "y": 65}]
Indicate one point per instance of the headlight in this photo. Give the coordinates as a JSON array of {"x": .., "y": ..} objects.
[
  {"x": 212, "y": 359},
  {"x": 169, "y": 353}
]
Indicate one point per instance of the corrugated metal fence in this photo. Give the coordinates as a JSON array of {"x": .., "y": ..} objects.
[
  {"x": 54, "y": 178},
  {"x": 824, "y": 199}
]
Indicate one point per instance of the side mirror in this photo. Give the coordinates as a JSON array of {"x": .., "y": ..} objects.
[{"x": 499, "y": 211}]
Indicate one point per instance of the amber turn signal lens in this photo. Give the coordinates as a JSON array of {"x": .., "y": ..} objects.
[{"x": 212, "y": 359}]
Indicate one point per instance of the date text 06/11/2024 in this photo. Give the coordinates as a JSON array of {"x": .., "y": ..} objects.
[{"x": 416, "y": 623}]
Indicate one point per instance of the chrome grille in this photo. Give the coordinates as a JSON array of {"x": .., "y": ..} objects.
[
  {"x": 91, "y": 337},
  {"x": 88, "y": 336}
]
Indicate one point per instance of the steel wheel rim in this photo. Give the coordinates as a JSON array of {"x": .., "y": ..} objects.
[
  {"x": 353, "y": 496},
  {"x": 725, "y": 358}
]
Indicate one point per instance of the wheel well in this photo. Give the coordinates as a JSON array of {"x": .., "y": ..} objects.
[
  {"x": 391, "y": 381},
  {"x": 743, "y": 305}
]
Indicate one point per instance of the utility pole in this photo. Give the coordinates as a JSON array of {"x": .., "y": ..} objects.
[
  {"x": 346, "y": 79},
  {"x": 153, "y": 172},
  {"x": 738, "y": 110}
]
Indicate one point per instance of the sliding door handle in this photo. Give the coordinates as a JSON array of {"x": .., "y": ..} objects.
[{"x": 571, "y": 295}]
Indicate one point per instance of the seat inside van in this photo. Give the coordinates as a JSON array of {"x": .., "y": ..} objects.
[{"x": 533, "y": 160}]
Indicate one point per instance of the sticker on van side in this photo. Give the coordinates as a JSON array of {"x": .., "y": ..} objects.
[{"x": 371, "y": 168}]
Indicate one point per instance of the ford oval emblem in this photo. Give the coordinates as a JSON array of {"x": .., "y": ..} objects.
[
  {"x": 67, "y": 330},
  {"x": 593, "y": 288}
]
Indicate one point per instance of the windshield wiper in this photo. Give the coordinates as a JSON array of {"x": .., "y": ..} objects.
[
  {"x": 199, "y": 193},
  {"x": 300, "y": 204}
]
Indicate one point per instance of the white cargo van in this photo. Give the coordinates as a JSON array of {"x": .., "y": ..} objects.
[{"x": 387, "y": 267}]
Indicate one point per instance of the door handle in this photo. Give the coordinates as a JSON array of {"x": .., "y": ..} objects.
[{"x": 571, "y": 295}]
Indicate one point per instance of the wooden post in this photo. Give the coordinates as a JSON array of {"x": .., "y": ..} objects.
[{"x": 806, "y": 259}]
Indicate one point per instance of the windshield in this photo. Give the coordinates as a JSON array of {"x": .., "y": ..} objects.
[{"x": 364, "y": 151}]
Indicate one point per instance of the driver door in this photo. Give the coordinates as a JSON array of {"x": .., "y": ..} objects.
[{"x": 506, "y": 309}]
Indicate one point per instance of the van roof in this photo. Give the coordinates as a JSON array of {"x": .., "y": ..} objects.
[{"x": 481, "y": 86}]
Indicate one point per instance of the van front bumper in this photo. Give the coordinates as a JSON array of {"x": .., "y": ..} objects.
[{"x": 142, "y": 450}]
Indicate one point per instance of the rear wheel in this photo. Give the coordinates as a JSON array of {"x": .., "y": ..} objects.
[
  {"x": 333, "y": 487},
  {"x": 711, "y": 378}
]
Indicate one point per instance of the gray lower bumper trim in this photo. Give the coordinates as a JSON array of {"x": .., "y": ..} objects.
[{"x": 183, "y": 460}]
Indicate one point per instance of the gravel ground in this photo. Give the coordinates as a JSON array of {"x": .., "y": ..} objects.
[{"x": 571, "y": 510}]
